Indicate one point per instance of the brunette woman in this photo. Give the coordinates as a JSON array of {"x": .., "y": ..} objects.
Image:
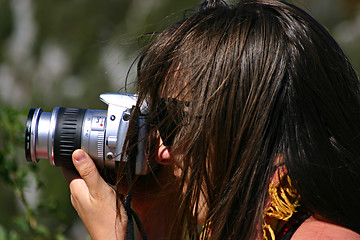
[{"x": 257, "y": 113}]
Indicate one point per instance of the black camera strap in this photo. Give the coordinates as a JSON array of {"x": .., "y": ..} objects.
[
  {"x": 130, "y": 172},
  {"x": 131, "y": 214},
  {"x": 130, "y": 234}
]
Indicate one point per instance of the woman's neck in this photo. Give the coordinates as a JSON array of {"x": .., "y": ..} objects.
[{"x": 316, "y": 229}]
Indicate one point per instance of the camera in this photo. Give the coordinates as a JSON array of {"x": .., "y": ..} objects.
[{"x": 101, "y": 133}]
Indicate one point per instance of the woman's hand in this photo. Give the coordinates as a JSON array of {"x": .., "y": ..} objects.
[{"x": 94, "y": 199}]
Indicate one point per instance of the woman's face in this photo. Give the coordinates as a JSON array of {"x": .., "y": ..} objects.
[
  {"x": 164, "y": 157},
  {"x": 177, "y": 93}
]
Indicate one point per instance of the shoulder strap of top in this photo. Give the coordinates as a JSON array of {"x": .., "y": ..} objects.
[{"x": 292, "y": 225}]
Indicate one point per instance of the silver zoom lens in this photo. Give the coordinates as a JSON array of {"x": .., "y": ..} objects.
[{"x": 55, "y": 136}]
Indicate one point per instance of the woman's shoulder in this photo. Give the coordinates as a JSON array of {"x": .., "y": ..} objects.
[{"x": 316, "y": 229}]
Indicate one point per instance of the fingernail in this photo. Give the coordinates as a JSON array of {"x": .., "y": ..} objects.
[{"x": 79, "y": 156}]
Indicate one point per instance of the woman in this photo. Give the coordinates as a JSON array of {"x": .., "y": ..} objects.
[{"x": 257, "y": 112}]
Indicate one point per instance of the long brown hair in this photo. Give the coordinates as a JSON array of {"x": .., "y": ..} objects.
[{"x": 262, "y": 78}]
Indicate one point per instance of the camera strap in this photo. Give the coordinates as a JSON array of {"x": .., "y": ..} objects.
[
  {"x": 130, "y": 234},
  {"x": 131, "y": 214},
  {"x": 130, "y": 172}
]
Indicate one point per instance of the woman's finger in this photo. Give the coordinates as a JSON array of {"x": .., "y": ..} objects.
[{"x": 89, "y": 173}]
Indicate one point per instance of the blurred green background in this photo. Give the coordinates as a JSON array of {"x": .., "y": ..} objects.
[{"x": 65, "y": 53}]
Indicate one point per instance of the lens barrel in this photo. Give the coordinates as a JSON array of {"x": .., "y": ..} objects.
[
  {"x": 53, "y": 136},
  {"x": 67, "y": 134}
]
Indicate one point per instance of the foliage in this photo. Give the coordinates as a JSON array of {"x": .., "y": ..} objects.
[{"x": 16, "y": 175}]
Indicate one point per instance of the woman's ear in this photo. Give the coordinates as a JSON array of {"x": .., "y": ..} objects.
[{"x": 163, "y": 155}]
